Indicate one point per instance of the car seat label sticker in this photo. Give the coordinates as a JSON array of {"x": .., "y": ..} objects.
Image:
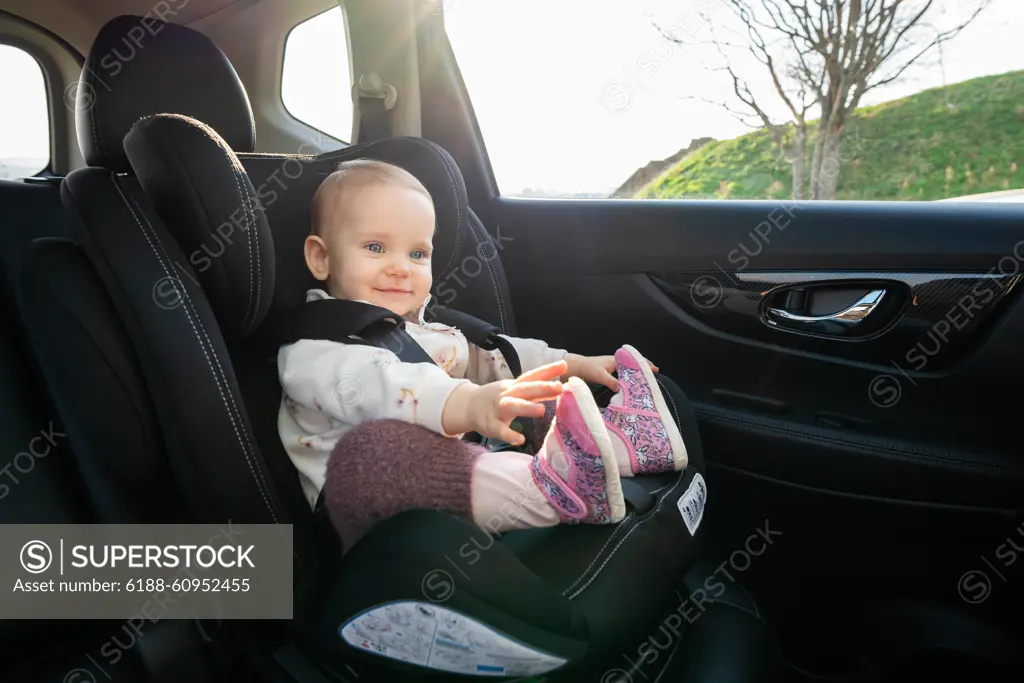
[
  {"x": 691, "y": 503},
  {"x": 438, "y": 638}
]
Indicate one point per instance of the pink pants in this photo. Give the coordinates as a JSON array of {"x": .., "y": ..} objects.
[
  {"x": 384, "y": 467},
  {"x": 503, "y": 495}
]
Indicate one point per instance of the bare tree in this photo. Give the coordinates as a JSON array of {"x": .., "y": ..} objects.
[{"x": 826, "y": 54}]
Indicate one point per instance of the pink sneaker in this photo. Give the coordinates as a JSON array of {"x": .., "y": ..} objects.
[
  {"x": 640, "y": 417},
  {"x": 575, "y": 468}
]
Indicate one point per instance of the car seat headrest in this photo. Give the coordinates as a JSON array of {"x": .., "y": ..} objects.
[
  {"x": 139, "y": 66},
  {"x": 200, "y": 190}
]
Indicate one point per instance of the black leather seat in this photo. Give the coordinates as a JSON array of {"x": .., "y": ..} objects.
[
  {"x": 195, "y": 329},
  {"x": 44, "y": 480}
]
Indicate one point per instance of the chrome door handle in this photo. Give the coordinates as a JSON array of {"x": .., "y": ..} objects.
[{"x": 850, "y": 316}]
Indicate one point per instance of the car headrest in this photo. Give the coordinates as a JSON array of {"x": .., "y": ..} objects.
[
  {"x": 200, "y": 190},
  {"x": 139, "y": 66}
]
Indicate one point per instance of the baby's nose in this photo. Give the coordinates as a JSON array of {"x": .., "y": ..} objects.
[{"x": 398, "y": 267}]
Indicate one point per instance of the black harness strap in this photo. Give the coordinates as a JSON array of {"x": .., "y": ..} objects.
[
  {"x": 350, "y": 322},
  {"x": 353, "y": 322},
  {"x": 636, "y": 495},
  {"x": 480, "y": 332}
]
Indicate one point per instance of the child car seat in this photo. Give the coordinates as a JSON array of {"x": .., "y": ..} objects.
[
  {"x": 195, "y": 182},
  {"x": 198, "y": 306}
]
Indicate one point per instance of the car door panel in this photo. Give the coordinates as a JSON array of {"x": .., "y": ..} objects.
[
  {"x": 784, "y": 408},
  {"x": 887, "y": 480},
  {"x": 887, "y": 465},
  {"x": 560, "y": 253},
  {"x": 918, "y": 321},
  {"x": 770, "y": 411},
  {"x": 629, "y": 236}
]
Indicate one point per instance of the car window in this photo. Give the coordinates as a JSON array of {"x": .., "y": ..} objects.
[
  {"x": 316, "y": 82},
  {"x": 24, "y": 115},
  {"x": 667, "y": 99}
]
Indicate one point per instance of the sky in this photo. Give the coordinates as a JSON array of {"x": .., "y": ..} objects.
[{"x": 571, "y": 95}]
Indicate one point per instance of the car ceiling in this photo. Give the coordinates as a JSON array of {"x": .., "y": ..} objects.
[{"x": 78, "y": 21}]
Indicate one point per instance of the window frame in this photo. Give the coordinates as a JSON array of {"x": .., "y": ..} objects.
[
  {"x": 47, "y": 67},
  {"x": 280, "y": 83}
]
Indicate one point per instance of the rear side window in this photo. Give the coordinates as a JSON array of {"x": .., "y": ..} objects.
[
  {"x": 24, "y": 115},
  {"x": 747, "y": 99},
  {"x": 316, "y": 82}
]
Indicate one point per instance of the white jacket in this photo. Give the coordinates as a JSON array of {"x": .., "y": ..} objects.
[{"x": 329, "y": 387}]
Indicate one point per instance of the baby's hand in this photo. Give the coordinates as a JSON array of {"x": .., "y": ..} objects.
[
  {"x": 596, "y": 369},
  {"x": 489, "y": 409}
]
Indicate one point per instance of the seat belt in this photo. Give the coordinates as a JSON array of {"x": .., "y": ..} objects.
[{"x": 374, "y": 99}]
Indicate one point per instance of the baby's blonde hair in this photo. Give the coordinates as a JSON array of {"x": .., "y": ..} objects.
[{"x": 337, "y": 188}]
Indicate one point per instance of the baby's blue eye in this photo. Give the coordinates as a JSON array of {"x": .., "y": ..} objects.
[
  {"x": 418, "y": 254},
  {"x": 375, "y": 247}
]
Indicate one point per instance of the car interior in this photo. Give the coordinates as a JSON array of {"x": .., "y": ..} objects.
[{"x": 863, "y": 517}]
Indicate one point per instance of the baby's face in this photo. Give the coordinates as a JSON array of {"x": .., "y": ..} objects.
[{"x": 380, "y": 251}]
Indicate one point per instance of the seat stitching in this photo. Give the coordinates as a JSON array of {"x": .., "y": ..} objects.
[
  {"x": 248, "y": 243},
  {"x": 253, "y": 239},
  {"x": 675, "y": 412},
  {"x": 659, "y": 488},
  {"x": 253, "y": 276},
  {"x": 656, "y": 491},
  {"x": 250, "y": 208},
  {"x": 667, "y": 394},
  {"x": 610, "y": 556},
  {"x": 660, "y": 502},
  {"x": 98, "y": 124},
  {"x": 187, "y": 299},
  {"x": 501, "y": 302},
  {"x": 455, "y": 194},
  {"x": 259, "y": 264},
  {"x": 635, "y": 527},
  {"x": 335, "y": 154},
  {"x": 494, "y": 281},
  {"x": 242, "y": 156},
  {"x": 668, "y": 662},
  {"x": 597, "y": 555},
  {"x": 252, "y": 124},
  {"x": 233, "y": 412},
  {"x": 757, "y": 610},
  {"x": 211, "y": 135},
  {"x": 92, "y": 119}
]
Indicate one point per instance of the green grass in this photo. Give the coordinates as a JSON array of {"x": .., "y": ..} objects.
[{"x": 967, "y": 138}]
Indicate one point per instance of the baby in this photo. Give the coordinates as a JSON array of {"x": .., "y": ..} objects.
[{"x": 381, "y": 436}]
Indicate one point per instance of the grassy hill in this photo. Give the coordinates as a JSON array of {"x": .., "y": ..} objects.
[{"x": 966, "y": 138}]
